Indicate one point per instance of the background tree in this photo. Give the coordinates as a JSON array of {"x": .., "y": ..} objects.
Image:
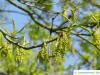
[{"x": 59, "y": 37}]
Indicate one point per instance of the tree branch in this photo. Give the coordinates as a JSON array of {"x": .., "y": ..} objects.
[
  {"x": 30, "y": 14},
  {"x": 26, "y": 48}
]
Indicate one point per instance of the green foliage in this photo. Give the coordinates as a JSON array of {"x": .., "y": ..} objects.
[
  {"x": 58, "y": 31},
  {"x": 36, "y": 33}
]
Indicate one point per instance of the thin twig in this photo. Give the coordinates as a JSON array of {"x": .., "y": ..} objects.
[
  {"x": 89, "y": 42},
  {"x": 83, "y": 57},
  {"x": 13, "y": 11}
]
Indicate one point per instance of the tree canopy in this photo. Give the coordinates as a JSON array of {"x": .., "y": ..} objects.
[{"x": 59, "y": 36}]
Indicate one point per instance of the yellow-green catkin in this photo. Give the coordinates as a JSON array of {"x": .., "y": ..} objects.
[{"x": 96, "y": 36}]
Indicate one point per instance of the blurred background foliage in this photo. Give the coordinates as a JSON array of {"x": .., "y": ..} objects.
[{"x": 59, "y": 36}]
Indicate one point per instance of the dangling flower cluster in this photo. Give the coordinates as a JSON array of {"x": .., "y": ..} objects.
[
  {"x": 97, "y": 36},
  {"x": 43, "y": 55},
  {"x": 63, "y": 44},
  {"x": 20, "y": 55}
]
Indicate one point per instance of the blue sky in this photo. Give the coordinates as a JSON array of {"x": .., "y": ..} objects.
[{"x": 19, "y": 19}]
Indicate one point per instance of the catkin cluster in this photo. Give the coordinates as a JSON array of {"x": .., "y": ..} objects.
[{"x": 96, "y": 36}]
